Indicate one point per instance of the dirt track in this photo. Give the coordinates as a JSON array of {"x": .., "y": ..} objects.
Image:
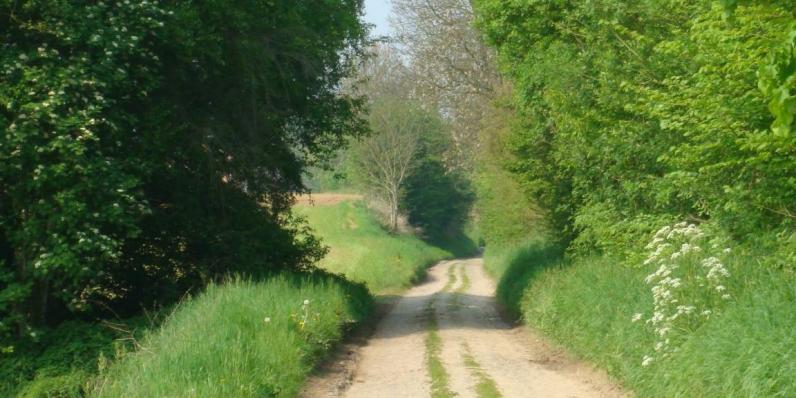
[
  {"x": 393, "y": 363},
  {"x": 325, "y": 199}
]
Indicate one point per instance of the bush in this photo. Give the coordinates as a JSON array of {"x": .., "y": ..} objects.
[{"x": 63, "y": 361}]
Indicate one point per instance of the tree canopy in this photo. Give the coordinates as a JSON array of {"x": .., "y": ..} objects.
[
  {"x": 148, "y": 146},
  {"x": 637, "y": 113}
]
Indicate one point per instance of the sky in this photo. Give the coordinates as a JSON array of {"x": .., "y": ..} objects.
[{"x": 376, "y": 12}]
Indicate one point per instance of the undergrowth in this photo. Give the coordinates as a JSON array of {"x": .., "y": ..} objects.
[{"x": 63, "y": 362}]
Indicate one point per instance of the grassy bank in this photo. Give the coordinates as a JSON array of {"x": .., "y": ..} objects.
[
  {"x": 364, "y": 252},
  {"x": 746, "y": 350},
  {"x": 238, "y": 339},
  {"x": 242, "y": 339}
]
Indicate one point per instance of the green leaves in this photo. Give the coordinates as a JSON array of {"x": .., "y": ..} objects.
[
  {"x": 777, "y": 80},
  {"x": 147, "y": 147},
  {"x": 635, "y": 113}
]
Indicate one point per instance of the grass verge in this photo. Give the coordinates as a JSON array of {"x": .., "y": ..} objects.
[
  {"x": 364, "y": 252},
  {"x": 241, "y": 339},
  {"x": 515, "y": 267},
  {"x": 586, "y": 305}
]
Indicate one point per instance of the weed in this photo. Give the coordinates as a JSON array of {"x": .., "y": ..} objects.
[
  {"x": 485, "y": 386},
  {"x": 439, "y": 376}
]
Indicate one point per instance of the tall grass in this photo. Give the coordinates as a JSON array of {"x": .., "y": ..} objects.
[
  {"x": 747, "y": 350},
  {"x": 515, "y": 266},
  {"x": 365, "y": 252},
  {"x": 240, "y": 339}
]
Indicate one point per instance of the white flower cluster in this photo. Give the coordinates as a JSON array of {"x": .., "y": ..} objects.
[{"x": 687, "y": 286}]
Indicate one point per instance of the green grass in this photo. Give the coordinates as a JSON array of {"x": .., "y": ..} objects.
[
  {"x": 515, "y": 266},
  {"x": 485, "y": 386},
  {"x": 240, "y": 339},
  {"x": 465, "y": 280},
  {"x": 218, "y": 343},
  {"x": 451, "y": 278},
  {"x": 440, "y": 379},
  {"x": 364, "y": 252},
  {"x": 455, "y": 302},
  {"x": 749, "y": 350}
]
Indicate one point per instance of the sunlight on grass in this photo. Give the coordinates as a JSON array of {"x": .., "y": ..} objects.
[
  {"x": 240, "y": 339},
  {"x": 364, "y": 252},
  {"x": 587, "y": 305}
]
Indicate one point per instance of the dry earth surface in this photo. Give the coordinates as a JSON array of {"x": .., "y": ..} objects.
[
  {"x": 477, "y": 347},
  {"x": 325, "y": 199}
]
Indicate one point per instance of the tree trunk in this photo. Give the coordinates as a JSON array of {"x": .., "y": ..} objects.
[{"x": 394, "y": 211}]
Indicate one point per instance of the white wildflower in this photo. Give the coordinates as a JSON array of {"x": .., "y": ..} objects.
[{"x": 680, "y": 291}]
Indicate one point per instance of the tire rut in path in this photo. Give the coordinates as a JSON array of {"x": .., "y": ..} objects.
[{"x": 514, "y": 359}]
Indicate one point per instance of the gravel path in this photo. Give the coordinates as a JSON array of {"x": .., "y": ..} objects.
[{"x": 477, "y": 346}]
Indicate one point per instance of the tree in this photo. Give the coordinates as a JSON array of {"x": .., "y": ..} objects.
[
  {"x": 634, "y": 114},
  {"x": 383, "y": 160},
  {"x": 452, "y": 69},
  {"x": 436, "y": 199},
  {"x": 150, "y": 146}
]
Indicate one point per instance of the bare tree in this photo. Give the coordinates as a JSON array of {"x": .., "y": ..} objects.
[
  {"x": 383, "y": 160},
  {"x": 450, "y": 66}
]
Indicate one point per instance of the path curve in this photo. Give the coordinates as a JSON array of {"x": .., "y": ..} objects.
[{"x": 476, "y": 346}]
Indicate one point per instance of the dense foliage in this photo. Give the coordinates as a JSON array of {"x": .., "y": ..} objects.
[
  {"x": 635, "y": 114},
  {"x": 662, "y": 115},
  {"x": 437, "y": 198},
  {"x": 408, "y": 162},
  {"x": 148, "y": 147}
]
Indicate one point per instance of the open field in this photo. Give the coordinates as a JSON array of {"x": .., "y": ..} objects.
[{"x": 363, "y": 251}]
